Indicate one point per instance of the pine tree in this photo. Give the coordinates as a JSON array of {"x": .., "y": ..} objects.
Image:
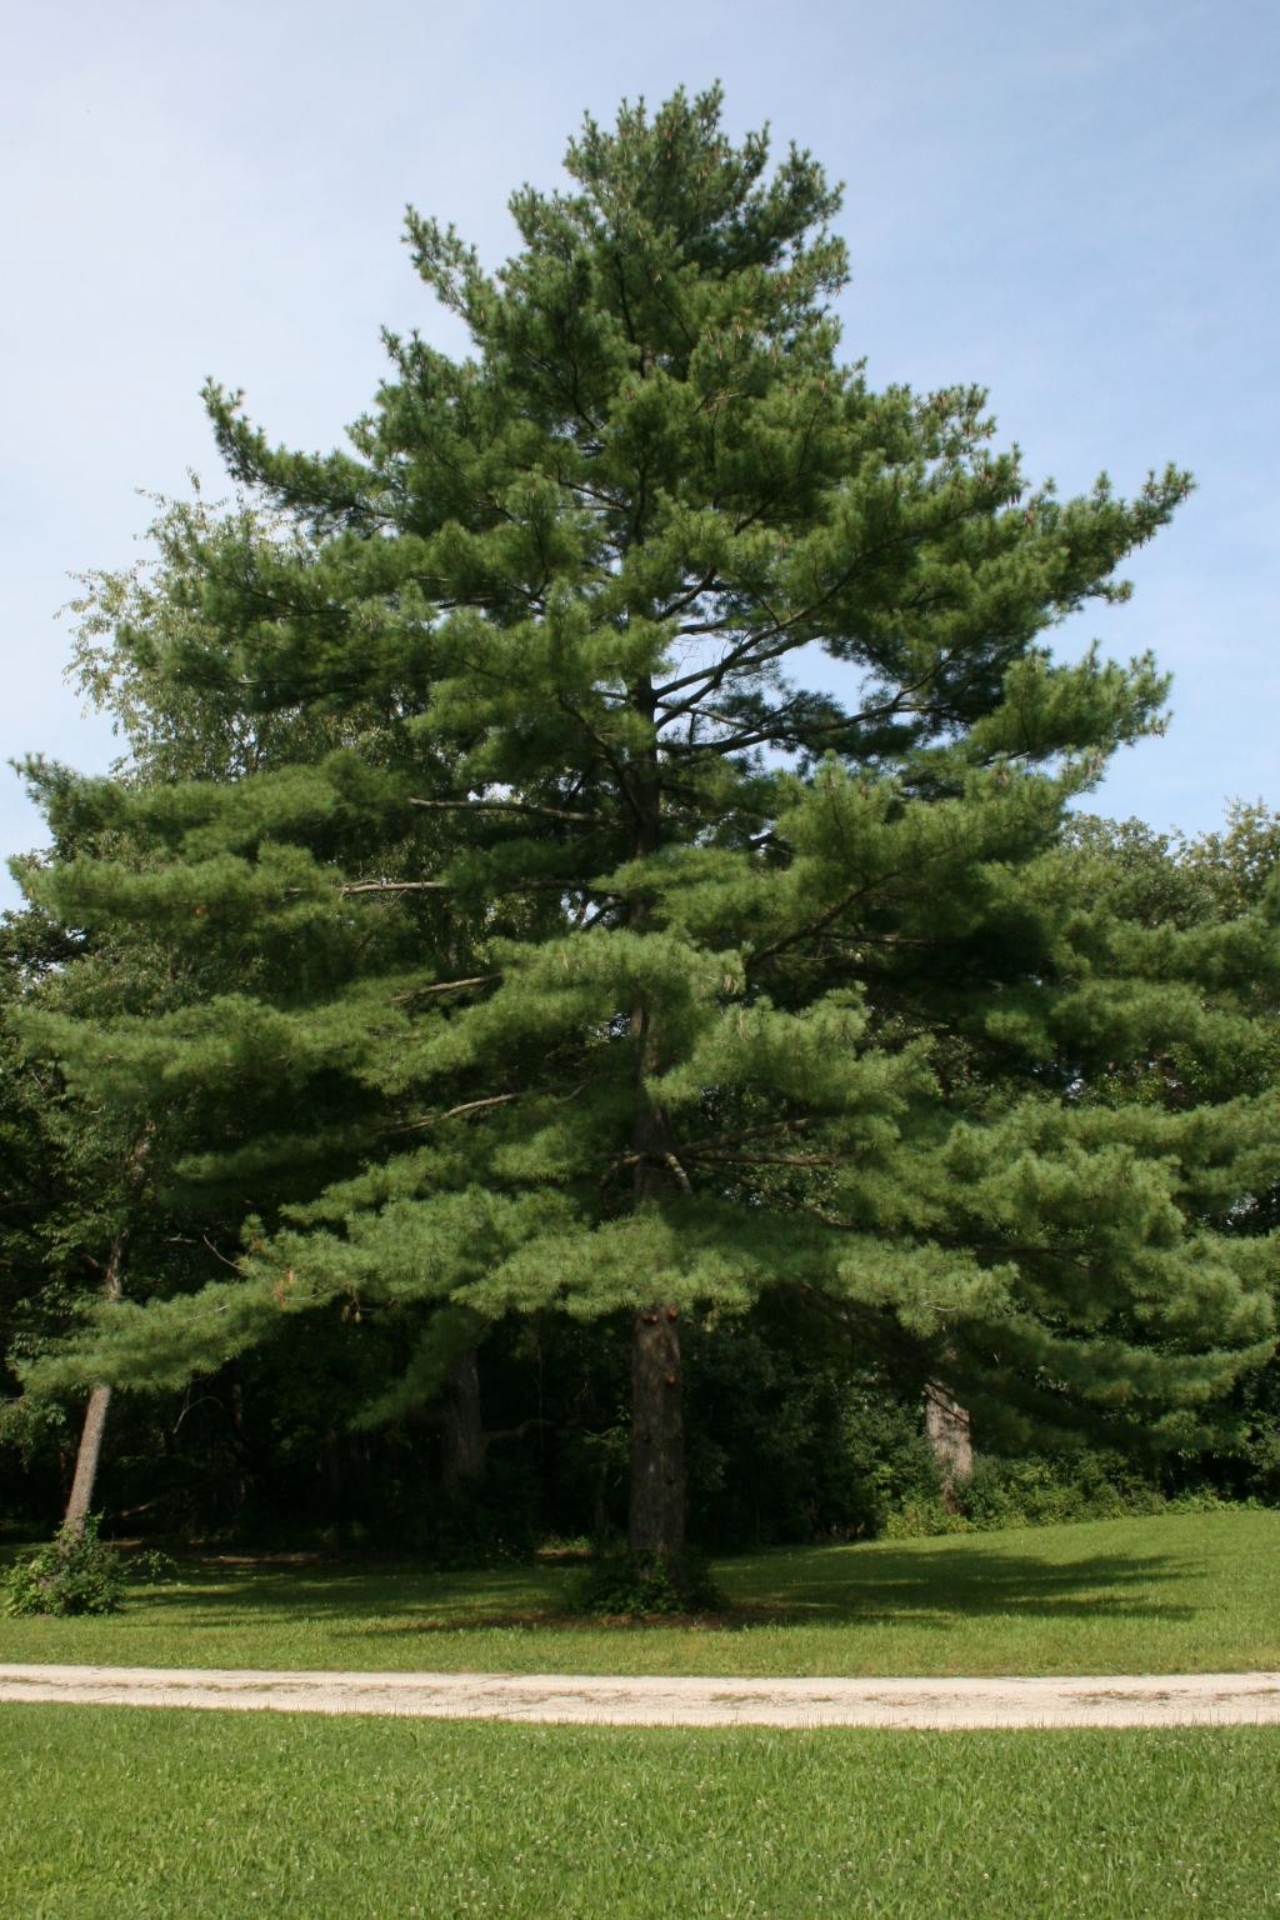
[
  {"x": 667, "y": 923},
  {"x": 1197, "y": 917}
]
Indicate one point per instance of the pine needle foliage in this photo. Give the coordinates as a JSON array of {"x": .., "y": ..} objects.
[{"x": 673, "y": 908}]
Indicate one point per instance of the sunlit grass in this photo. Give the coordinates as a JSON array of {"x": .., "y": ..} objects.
[
  {"x": 1187, "y": 1592},
  {"x": 121, "y": 1812}
]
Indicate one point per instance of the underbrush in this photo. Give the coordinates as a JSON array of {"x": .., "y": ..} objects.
[
  {"x": 1043, "y": 1493},
  {"x": 75, "y": 1573}
]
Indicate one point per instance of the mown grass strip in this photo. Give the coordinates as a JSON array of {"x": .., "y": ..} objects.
[
  {"x": 112, "y": 1813},
  {"x": 1178, "y": 1593}
]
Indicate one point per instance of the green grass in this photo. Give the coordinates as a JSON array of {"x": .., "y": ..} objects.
[
  {"x": 147, "y": 1813},
  {"x": 112, "y": 1812},
  {"x": 1187, "y": 1592}
]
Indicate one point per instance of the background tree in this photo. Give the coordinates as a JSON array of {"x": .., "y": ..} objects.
[
  {"x": 1200, "y": 914},
  {"x": 127, "y": 621},
  {"x": 652, "y": 945},
  {"x": 118, "y": 1211},
  {"x": 33, "y": 1190},
  {"x": 85, "y": 1217}
]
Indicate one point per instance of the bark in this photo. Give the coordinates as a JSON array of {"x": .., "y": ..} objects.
[
  {"x": 949, "y": 1429},
  {"x": 657, "y": 1434},
  {"x": 656, "y": 1514},
  {"x": 89, "y": 1455},
  {"x": 466, "y": 1443},
  {"x": 656, "y": 1517},
  {"x": 87, "y": 1459}
]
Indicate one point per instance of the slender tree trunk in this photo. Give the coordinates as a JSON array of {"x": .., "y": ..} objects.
[
  {"x": 95, "y": 1415},
  {"x": 465, "y": 1440},
  {"x": 89, "y": 1456},
  {"x": 237, "y": 1428},
  {"x": 949, "y": 1429}
]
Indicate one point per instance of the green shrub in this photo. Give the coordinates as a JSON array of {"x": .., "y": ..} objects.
[
  {"x": 75, "y": 1573},
  {"x": 151, "y": 1568},
  {"x": 636, "y": 1584},
  {"x": 1039, "y": 1492},
  {"x": 921, "y": 1519}
]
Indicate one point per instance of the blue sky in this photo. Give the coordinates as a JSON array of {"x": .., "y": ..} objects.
[{"x": 1076, "y": 207}]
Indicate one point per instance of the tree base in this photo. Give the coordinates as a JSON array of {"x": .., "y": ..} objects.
[{"x": 647, "y": 1584}]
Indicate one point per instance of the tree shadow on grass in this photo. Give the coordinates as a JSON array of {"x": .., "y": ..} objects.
[
  {"x": 965, "y": 1582},
  {"x": 816, "y": 1587},
  {"x": 233, "y": 1595}
]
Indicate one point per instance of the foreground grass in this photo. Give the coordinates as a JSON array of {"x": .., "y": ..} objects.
[
  {"x": 120, "y": 1812},
  {"x": 1173, "y": 1593}
]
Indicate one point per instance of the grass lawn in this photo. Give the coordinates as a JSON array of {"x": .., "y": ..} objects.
[
  {"x": 1184, "y": 1592},
  {"x": 110, "y": 1812}
]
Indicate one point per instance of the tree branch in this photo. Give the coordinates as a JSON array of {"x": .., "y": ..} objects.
[
  {"x": 458, "y": 1113},
  {"x": 446, "y": 986},
  {"x": 390, "y": 886},
  {"x": 506, "y": 806}
]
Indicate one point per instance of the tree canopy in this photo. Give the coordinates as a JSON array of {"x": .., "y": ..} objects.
[{"x": 647, "y": 887}]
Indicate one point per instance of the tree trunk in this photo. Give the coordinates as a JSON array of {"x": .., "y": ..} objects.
[
  {"x": 95, "y": 1414},
  {"x": 949, "y": 1429},
  {"x": 87, "y": 1458},
  {"x": 466, "y": 1443},
  {"x": 656, "y": 1523}
]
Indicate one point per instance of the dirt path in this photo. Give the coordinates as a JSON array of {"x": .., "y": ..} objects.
[{"x": 1145, "y": 1700}]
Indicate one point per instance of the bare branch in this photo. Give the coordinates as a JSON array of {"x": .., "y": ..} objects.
[
  {"x": 567, "y": 885},
  {"x": 767, "y": 1159},
  {"x": 705, "y": 585},
  {"x": 390, "y": 886},
  {"x": 505, "y": 806},
  {"x": 755, "y": 650},
  {"x": 673, "y": 1166},
  {"x": 458, "y": 1113},
  {"x": 447, "y": 986}
]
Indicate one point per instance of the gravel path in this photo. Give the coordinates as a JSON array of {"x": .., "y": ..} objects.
[{"x": 1140, "y": 1700}]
